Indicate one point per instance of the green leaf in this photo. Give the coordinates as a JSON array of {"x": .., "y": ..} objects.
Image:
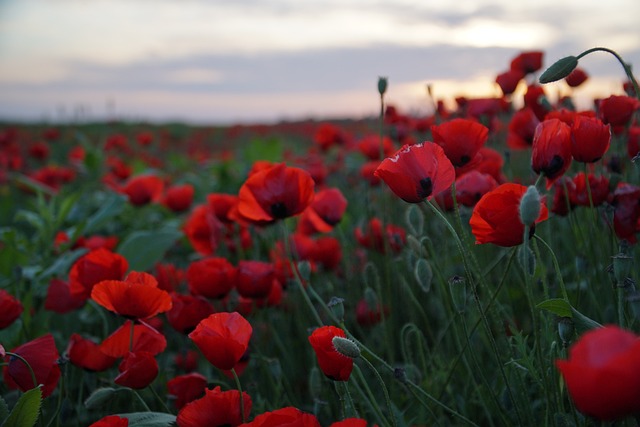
[
  {"x": 26, "y": 411},
  {"x": 583, "y": 321},
  {"x": 100, "y": 397},
  {"x": 149, "y": 419},
  {"x": 63, "y": 263},
  {"x": 111, "y": 207},
  {"x": 144, "y": 248},
  {"x": 559, "y": 70},
  {"x": 557, "y": 306}
]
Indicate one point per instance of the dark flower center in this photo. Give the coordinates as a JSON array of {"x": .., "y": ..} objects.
[
  {"x": 464, "y": 160},
  {"x": 555, "y": 166},
  {"x": 426, "y": 187},
  {"x": 278, "y": 210}
]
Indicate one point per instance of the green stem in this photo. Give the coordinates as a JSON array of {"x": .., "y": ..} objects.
[
  {"x": 369, "y": 394},
  {"x": 157, "y": 396},
  {"x": 384, "y": 390},
  {"x": 144, "y": 404},
  {"x": 556, "y": 266},
  {"x": 23, "y": 360},
  {"x": 239, "y": 387},
  {"x": 347, "y": 394},
  {"x": 625, "y": 66}
]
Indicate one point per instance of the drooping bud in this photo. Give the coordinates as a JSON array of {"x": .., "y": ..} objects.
[
  {"x": 346, "y": 347},
  {"x": 371, "y": 298},
  {"x": 559, "y": 70},
  {"x": 566, "y": 330},
  {"x": 423, "y": 274},
  {"x": 415, "y": 220},
  {"x": 336, "y": 305},
  {"x": 458, "y": 291},
  {"x": 530, "y": 206},
  {"x": 382, "y": 85}
]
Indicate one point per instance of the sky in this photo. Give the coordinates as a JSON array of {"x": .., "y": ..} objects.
[{"x": 250, "y": 61}]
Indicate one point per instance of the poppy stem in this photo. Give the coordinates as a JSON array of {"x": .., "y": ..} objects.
[
  {"x": 144, "y": 404},
  {"x": 556, "y": 266},
  {"x": 625, "y": 66},
  {"x": 589, "y": 194},
  {"x": 373, "y": 404},
  {"x": 155, "y": 393},
  {"x": 239, "y": 386},
  {"x": 23, "y": 360},
  {"x": 384, "y": 390},
  {"x": 299, "y": 280}
]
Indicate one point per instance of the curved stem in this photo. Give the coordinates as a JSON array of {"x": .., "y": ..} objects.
[
  {"x": 384, "y": 390},
  {"x": 239, "y": 386},
  {"x": 556, "y": 267},
  {"x": 23, "y": 360},
  {"x": 626, "y": 67}
]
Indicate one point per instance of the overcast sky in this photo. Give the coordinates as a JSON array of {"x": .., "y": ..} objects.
[{"x": 266, "y": 60}]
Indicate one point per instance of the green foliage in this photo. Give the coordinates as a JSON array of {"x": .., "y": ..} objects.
[
  {"x": 25, "y": 413},
  {"x": 145, "y": 248}
]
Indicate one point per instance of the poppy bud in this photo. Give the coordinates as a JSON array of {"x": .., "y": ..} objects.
[
  {"x": 559, "y": 70},
  {"x": 382, "y": 85},
  {"x": 621, "y": 267},
  {"x": 566, "y": 330},
  {"x": 304, "y": 268},
  {"x": 530, "y": 206},
  {"x": 336, "y": 305},
  {"x": 458, "y": 290},
  {"x": 415, "y": 220},
  {"x": 423, "y": 274},
  {"x": 346, "y": 347}
]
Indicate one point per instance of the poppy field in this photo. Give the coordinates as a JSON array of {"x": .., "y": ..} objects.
[{"x": 475, "y": 266}]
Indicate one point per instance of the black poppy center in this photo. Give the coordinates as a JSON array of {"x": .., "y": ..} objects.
[
  {"x": 426, "y": 187},
  {"x": 278, "y": 210},
  {"x": 554, "y": 168},
  {"x": 464, "y": 160}
]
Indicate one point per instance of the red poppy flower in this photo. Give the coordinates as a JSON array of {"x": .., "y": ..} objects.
[
  {"x": 328, "y": 135},
  {"x": 178, "y": 198},
  {"x": 275, "y": 193},
  {"x": 633, "y": 141},
  {"x": 221, "y": 205},
  {"x": 599, "y": 187},
  {"x": 137, "y": 370},
  {"x": 460, "y": 138},
  {"x": 551, "y": 154},
  {"x": 626, "y": 201},
  {"x": 522, "y": 128},
  {"x": 39, "y": 150},
  {"x": 86, "y": 354},
  {"x": 602, "y": 373},
  {"x": 617, "y": 110},
  {"x": 561, "y": 204},
  {"x": 186, "y": 388},
  {"x": 10, "y": 309},
  {"x": 211, "y": 277},
  {"x": 374, "y": 235},
  {"x": 223, "y": 338},
  {"x": 350, "y": 422},
  {"x": 255, "y": 278},
  {"x": 333, "y": 364},
  {"x": 187, "y": 360},
  {"x": 370, "y": 147},
  {"x": 111, "y": 421},
  {"x": 367, "y": 172},
  {"x": 496, "y": 217},
  {"x": 137, "y": 297},
  {"x": 471, "y": 186},
  {"x": 324, "y": 213},
  {"x": 590, "y": 139},
  {"x": 95, "y": 242},
  {"x": 417, "y": 172},
  {"x": 528, "y": 62},
  {"x": 216, "y": 409},
  {"x": 95, "y": 267},
  {"x": 508, "y": 81},
  {"x": 42, "y": 355},
  {"x": 169, "y": 276},
  {"x": 576, "y": 77},
  {"x": 284, "y": 417},
  {"x": 144, "y": 138},
  {"x": 536, "y": 99},
  {"x": 187, "y": 311},
  {"x": 487, "y": 161},
  {"x": 145, "y": 338},
  {"x": 143, "y": 189},
  {"x": 366, "y": 315},
  {"x": 203, "y": 230}
]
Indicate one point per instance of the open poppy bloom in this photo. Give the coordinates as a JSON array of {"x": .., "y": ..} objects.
[
  {"x": 617, "y": 110},
  {"x": 460, "y": 138},
  {"x": 590, "y": 139},
  {"x": 216, "y": 408},
  {"x": 179, "y": 197},
  {"x": 602, "y": 373},
  {"x": 144, "y": 338},
  {"x": 186, "y": 388},
  {"x": 93, "y": 267},
  {"x": 137, "y": 370},
  {"x": 284, "y": 417},
  {"x": 255, "y": 278},
  {"x": 417, "y": 172},
  {"x": 144, "y": 189},
  {"x": 187, "y": 311},
  {"x": 334, "y": 365},
  {"x": 223, "y": 338},
  {"x": 508, "y": 81},
  {"x": 528, "y": 62},
  {"x": 86, "y": 354},
  {"x": 522, "y": 128},
  {"x": 496, "y": 217},
  {"x": 42, "y": 355},
  {"x": 324, "y": 213},
  {"x": 275, "y": 193},
  {"x": 137, "y": 297},
  {"x": 211, "y": 277},
  {"x": 551, "y": 154}
]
